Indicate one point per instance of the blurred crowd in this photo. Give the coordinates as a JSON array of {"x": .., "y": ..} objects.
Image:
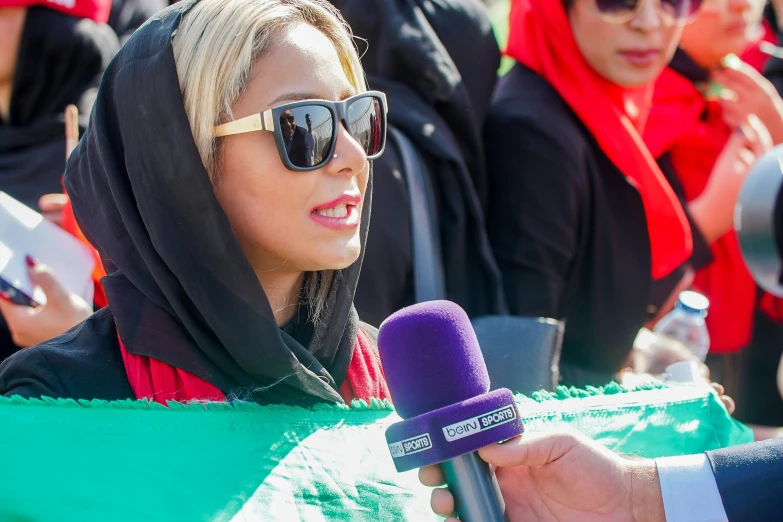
[{"x": 577, "y": 160}]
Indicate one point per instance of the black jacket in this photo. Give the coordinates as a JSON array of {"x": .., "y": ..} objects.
[
  {"x": 71, "y": 366},
  {"x": 568, "y": 230}
]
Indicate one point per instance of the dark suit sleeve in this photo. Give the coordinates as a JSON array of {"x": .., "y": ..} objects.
[
  {"x": 537, "y": 190},
  {"x": 750, "y": 480}
]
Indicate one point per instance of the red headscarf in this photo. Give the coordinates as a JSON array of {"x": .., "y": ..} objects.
[
  {"x": 540, "y": 37},
  {"x": 96, "y": 10},
  {"x": 690, "y": 128}
]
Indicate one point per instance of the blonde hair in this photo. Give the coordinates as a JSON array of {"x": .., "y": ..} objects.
[{"x": 215, "y": 47}]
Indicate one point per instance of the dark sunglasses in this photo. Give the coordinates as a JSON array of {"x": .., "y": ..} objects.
[
  {"x": 672, "y": 11},
  {"x": 305, "y": 131}
]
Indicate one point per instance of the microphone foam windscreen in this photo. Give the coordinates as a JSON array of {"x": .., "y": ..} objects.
[{"x": 431, "y": 358}]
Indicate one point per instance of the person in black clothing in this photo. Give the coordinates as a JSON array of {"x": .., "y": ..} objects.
[
  {"x": 229, "y": 274},
  {"x": 437, "y": 62},
  {"x": 583, "y": 223},
  {"x": 295, "y": 138},
  {"x": 53, "y": 59},
  {"x": 49, "y": 59}
]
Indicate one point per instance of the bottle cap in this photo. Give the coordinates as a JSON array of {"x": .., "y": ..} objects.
[{"x": 693, "y": 302}]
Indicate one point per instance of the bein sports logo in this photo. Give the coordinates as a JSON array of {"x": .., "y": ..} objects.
[
  {"x": 410, "y": 446},
  {"x": 486, "y": 421}
]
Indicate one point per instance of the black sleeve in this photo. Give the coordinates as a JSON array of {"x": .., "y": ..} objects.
[
  {"x": 702, "y": 255},
  {"x": 83, "y": 363},
  {"x": 29, "y": 374},
  {"x": 750, "y": 480},
  {"x": 536, "y": 194},
  {"x": 662, "y": 288}
]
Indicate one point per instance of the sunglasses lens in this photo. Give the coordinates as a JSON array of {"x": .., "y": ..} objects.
[
  {"x": 620, "y": 11},
  {"x": 617, "y": 10},
  {"x": 365, "y": 120},
  {"x": 307, "y": 132}
]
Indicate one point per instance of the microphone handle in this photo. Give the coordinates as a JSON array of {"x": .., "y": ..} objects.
[{"x": 475, "y": 488}]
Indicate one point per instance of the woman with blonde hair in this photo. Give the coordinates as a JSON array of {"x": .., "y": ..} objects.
[{"x": 231, "y": 265}]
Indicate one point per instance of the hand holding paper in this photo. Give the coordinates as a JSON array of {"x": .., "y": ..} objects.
[{"x": 62, "y": 311}]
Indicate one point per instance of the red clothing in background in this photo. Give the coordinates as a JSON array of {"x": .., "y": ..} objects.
[{"x": 690, "y": 128}]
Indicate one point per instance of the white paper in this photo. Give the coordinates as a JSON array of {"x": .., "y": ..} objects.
[{"x": 23, "y": 231}]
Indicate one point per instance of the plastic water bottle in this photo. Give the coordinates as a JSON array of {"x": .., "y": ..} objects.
[{"x": 686, "y": 324}]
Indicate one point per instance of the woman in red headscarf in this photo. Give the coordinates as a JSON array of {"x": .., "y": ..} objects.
[
  {"x": 583, "y": 223},
  {"x": 703, "y": 97}
]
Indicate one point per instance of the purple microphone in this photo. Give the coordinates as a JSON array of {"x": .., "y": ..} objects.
[{"x": 439, "y": 385}]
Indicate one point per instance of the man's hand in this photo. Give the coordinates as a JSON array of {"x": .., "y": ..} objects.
[
  {"x": 62, "y": 311},
  {"x": 564, "y": 477}
]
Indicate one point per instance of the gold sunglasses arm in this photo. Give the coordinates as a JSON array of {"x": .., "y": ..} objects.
[{"x": 255, "y": 122}]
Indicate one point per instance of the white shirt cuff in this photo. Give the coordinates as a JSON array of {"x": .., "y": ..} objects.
[{"x": 690, "y": 493}]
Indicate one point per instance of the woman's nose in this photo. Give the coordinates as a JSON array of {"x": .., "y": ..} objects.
[
  {"x": 349, "y": 157},
  {"x": 649, "y": 16}
]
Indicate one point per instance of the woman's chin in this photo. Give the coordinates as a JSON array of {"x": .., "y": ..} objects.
[{"x": 336, "y": 257}]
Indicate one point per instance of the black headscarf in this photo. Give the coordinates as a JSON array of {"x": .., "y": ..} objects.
[
  {"x": 179, "y": 287},
  {"x": 60, "y": 62}
]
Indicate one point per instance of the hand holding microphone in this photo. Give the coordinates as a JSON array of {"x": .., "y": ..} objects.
[
  {"x": 439, "y": 385},
  {"x": 564, "y": 477}
]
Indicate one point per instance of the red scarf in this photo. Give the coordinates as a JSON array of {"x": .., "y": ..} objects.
[
  {"x": 690, "y": 128},
  {"x": 540, "y": 37},
  {"x": 159, "y": 382}
]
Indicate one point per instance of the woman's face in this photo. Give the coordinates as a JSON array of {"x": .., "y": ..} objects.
[
  {"x": 722, "y": 27},
  {"x": 288, "y": 220},
  {"x": 630, "y": 54}
]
